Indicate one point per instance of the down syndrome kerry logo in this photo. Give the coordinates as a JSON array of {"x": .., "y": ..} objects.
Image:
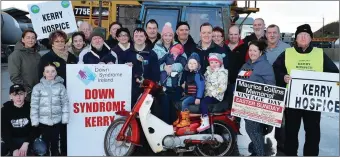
[{"x": 86, "y": 75}]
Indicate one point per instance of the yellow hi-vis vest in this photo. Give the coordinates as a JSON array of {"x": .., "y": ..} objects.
[{"x": 312, "y": 61}]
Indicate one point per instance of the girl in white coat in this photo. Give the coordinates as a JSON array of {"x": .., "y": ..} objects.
[{"x": 216, "y": 81}]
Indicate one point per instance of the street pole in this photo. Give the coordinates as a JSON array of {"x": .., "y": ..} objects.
[
  {"x": 100, "y": 13},
  {"x": 323, "y": 25}
]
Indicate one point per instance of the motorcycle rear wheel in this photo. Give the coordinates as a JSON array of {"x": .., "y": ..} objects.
[
  {"x": 221, "y": 149},
  {"x": 111, "y": 142}
]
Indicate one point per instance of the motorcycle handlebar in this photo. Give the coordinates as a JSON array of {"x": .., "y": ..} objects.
[{"x": 155, "y": 88}]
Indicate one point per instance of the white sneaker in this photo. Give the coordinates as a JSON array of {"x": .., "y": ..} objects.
[{"x": 204, "y": 123}]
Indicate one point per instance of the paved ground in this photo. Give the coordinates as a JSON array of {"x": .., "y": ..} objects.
[{"x": 329, "y": 144}]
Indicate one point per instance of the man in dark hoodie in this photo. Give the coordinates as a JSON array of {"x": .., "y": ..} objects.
[
  {"x": 97, "y": 50},
  {"x": 16, "y": 128},
  {"x": 183, "y": 36},
  {"x": 292, "y": 59},
  {"x": 23, "y": 62},
  {"x": 152, "y": 31},
  {"x": 207, "y": 46}
]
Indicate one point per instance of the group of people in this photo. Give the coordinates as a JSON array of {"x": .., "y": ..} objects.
[{"x": 195, "y": 74}]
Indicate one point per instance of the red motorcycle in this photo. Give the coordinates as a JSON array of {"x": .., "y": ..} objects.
[{"x": 123, "y": 135}]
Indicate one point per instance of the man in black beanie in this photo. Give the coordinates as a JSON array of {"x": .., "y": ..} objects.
[
  {"x": 316, "y": 60},
  {"x": 183, "y": 36}
]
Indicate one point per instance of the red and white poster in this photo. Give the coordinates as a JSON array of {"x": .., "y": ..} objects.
[
  {"x": 96, "y": 92},
  {"x": 259, "y": 102}
]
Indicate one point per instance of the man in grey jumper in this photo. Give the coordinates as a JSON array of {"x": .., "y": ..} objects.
[
  {"x": 274, "y": 49},
  {"x": 275, "y": 45}
]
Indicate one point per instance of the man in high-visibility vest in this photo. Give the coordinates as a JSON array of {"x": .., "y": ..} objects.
[{"x": 302, "y": 57}]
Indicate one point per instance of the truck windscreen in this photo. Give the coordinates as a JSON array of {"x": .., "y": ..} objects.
[{"x": 162, "y": 16}]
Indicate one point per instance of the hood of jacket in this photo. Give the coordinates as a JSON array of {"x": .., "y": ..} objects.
[
  {"x": 159, "y": 43},
  {"x": 259, "y": 60},
  {"x": 19, "y": 46},
  {"x": 57, "y": 79}
]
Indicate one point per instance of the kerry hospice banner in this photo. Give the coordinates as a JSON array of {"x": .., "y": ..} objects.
[
  {"x": 96, "y": 92},
  {"x": 314, "y": 91},
  {"x": 259, "y": 102},
  {"x": 50, "y": 16}
]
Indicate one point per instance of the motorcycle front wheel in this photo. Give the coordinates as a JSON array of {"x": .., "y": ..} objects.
[
  {"x": 220, "y": 149},
  {"x": 117, "y": 148}
]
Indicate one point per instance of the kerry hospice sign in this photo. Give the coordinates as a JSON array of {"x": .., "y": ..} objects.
[
  {"x": 314, "y": 91},
  {"x": 50, "y": 16},
  {"x": 259, "y": 102},
  {"x": 96, "y": 92}
]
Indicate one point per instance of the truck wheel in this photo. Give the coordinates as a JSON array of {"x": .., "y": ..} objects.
[{"x": 113, "y": 147}]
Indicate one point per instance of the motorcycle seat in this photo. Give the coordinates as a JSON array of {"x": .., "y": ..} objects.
[{"x": 220, "y": 107}]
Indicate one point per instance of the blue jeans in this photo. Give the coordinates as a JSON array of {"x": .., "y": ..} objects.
[
  {"x": 203, "y": 106},
  {"x": 38, "y": 148},
  {"x": 254, "y": 130},
  {"x": 187, "y": 101},
  {"x": 205, "y": 102}
]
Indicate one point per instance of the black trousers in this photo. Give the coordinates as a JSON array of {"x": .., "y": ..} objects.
[
  {"x": 50, "y": 135},
  {"x": 280, "y": 134},
  {"x": 311, "y": 121},
  {"x": 63, "y": 139}
]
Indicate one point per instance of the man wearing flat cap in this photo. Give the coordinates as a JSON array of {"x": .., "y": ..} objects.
[{"x": 302, "y": 57}]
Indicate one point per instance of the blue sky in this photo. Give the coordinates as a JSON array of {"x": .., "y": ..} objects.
[{"x": 286, "y": 14}]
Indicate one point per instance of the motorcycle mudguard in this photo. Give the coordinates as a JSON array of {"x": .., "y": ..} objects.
[
  {"x": 228, "y": 122},
  {"x": 135, "y": 132}
]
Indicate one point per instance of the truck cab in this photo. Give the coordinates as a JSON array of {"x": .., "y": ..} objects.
[
  {"x": 132, "y": 14},
  {"x": 195, "y": 13}
]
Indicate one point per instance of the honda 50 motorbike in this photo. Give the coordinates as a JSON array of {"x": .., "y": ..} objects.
[{"x": 123, "y": 135}]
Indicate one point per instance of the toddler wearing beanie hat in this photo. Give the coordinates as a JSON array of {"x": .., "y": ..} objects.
[{"x": 216, "y": 81}]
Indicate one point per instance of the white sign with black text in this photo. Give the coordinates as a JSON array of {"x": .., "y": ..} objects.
[
  {"x": 314, "y": 91},
  {"x": 50, "y": 16}
]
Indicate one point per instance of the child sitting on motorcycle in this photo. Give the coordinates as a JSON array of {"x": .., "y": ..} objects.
[
  {"x": 193, "y": 85},
  {"x": 216, "y": 80}
]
